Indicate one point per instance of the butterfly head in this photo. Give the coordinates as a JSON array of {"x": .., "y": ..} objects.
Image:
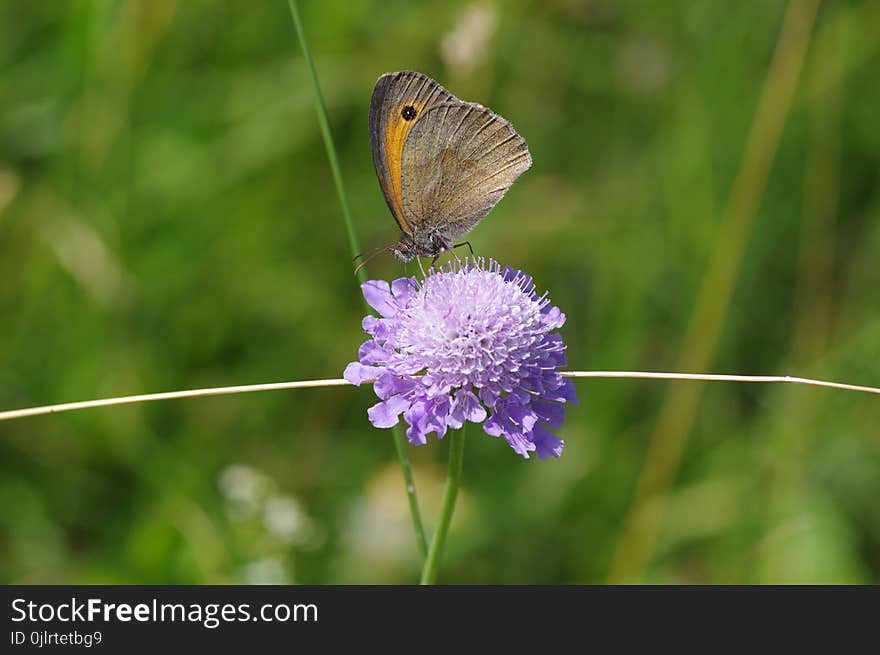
[
  {"x": 420, "y": 244},
  {"x": 405, "y": 250}
]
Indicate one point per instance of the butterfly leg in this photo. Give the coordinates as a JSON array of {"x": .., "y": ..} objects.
[
  {"x": 465, "y": 243},
  {"x": 442, "y": 246}
]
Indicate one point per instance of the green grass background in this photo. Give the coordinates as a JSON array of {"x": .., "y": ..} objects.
[{"x": 168, "y": 221}]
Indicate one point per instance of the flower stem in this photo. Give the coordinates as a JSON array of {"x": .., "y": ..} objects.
[
  {"x": 712, "y": 377},
  {"x": 324, "y": 124},
  {"x": 354, "y": 246},
  {"x": 415, "y": 514},
  {"x": 169, "y": 395},
  {"x": 302, "y": 384},
  {"x": 456, "y": 455}
]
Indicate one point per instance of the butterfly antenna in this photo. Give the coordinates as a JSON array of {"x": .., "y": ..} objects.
[{"x": 369, "y": 255}]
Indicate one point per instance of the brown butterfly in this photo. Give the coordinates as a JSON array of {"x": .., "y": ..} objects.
[{"x": 442, "y": 163}]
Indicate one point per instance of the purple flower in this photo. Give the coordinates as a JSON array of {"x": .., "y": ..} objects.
[{"x": 469, "y": 343}]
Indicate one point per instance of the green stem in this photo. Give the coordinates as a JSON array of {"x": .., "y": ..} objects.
[
  {"x": 456, "y": 455},
  {"x": 324, "y": 122},
  {"x": 415, "y": 515}
]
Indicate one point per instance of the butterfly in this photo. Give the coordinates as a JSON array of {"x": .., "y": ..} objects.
[{"x": 442, "y": 163}]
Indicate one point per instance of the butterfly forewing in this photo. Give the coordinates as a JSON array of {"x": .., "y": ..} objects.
[
  {"x": 459, "y": 160},
  {"x": 399, "y": 100}
]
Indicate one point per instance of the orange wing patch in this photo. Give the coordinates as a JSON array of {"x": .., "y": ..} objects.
[{"x": 396, "y": 131}]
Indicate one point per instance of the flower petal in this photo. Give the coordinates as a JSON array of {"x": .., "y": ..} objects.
[
  {"x": 553, "y": 317},
  {"x": 466, "y": 407},
  {"x": 567, "y": 392},
  {"x": 378, "y": 294},
  {"x": 494, "y": 426},
  {"x": 488, "y": 396},
  {"x": 520, "y": 415},
  {"x": 546, "y": 443},
  {"x": 416, "y": 433},
  {"x": 404, "y": 288},
  {"x": 371, "y": 352},
  {"x": 438, "y": 415},
  {"x": 416, "y": 417},
  {"x": 551, "y": 413},
  {"x": 519, "y": 443},
  {"x": 387, "y": 413},
  {"x": 357, "y": 373},
  {"x": 376, "y": 327},
  {"x": 388, "y": 385}
]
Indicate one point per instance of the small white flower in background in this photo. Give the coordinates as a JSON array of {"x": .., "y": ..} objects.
[
  {"x": 268, "y": 570},
  {"x": 467, "y": 44},
  {"x": 244, "y": 489},
  {"x": 285, "y": 520}
]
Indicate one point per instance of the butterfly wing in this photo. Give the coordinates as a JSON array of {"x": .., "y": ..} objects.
[
  {"x": 399, "y": 100},
  {"x": 458, "y": 161}
]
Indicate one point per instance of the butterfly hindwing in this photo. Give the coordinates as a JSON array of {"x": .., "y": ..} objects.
[{"x": 459, "y": 159}]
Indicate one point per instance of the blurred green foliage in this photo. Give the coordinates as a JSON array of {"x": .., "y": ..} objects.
[{"x": 168, "y": 221}]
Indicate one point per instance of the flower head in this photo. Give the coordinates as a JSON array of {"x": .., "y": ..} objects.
[{"x": 472, "y": 342}]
